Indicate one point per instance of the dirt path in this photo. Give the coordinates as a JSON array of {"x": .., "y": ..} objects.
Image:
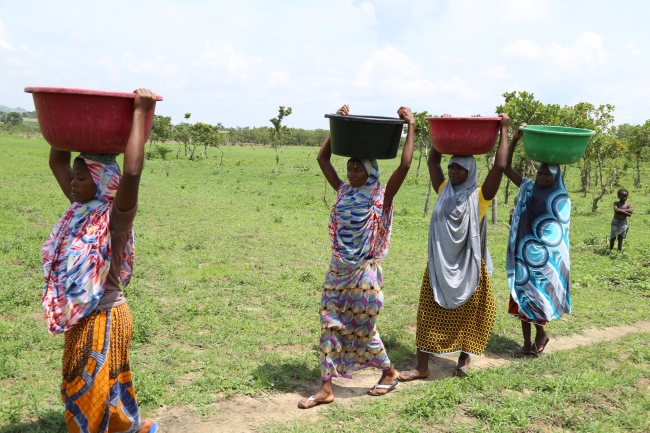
[{"x": 243, "y": 413}]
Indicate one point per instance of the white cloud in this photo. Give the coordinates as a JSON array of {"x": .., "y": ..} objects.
[
  {"x": 586, "y": 52},
  {"x": 493, "y": 72},
  {"x": 523, "y": 48},
  {"x": 391, "y": 72},
  {"x": 457, "y": 56},
  {"x": 279, "y": 78},
  {"x": 388, "y": 61},
  {"x": 368, "y": 12},
  {"x": 223, "y": 57},
  {"x": 77, "y": 37},
  {"x": 632, "y": 49},
  {"x": 518, "y": 11},
  {"x": 157, "y": 66},
  {"x": 4, "y": 44}
]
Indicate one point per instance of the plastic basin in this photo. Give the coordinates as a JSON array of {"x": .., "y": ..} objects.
[
  {"x": 556, "y": 144},
  {"x": 464, "y": 135},
  {"x": 81, "y": 120},
  {"x": 371, "y": 137}
]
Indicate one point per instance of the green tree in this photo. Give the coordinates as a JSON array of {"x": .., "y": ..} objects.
[
  {"x": 206, "y": 135},
  {"x": 14, "y": 118},
  {"x": 277, "y": 133},
  {"x": 161, "y": 130},
  {"x": 522, "y": 107},
  {"x": 182, "y": 135},
  {"x": 423, "y": 143},
  {"x": 639, "y": 146},
  {"x": 601, "y": 146}
]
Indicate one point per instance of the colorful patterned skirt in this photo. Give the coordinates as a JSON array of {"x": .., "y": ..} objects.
[
  {"x": 463, "y": 329},
  {"x": 97, "y": 389},
  {"x": 352, "y": 299}
]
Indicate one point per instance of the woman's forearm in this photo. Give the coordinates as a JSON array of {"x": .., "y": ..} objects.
[
  {"x": 134, "y": 152},
  {"x": 60, "y": 165},
  {"x": 325, "y": 152}
]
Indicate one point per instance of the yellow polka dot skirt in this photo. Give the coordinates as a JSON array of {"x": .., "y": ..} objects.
[{"x": 463, "y": 329}]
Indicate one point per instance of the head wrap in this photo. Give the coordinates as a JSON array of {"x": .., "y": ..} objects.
[
  {"x": 359, "y": 228},
  {"x": 77, "y": 254},
  {"x": 552, "y": 168},
  {"x": 537, "y": 261},
  {"x": 455, "y": 240}
]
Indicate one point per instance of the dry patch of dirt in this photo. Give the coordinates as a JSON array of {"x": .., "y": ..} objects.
[
  {"x": 188, "y": 377},
  {"x": 411, "y": 328},
  {"x": 643, "y": 384},
  {"x": 243, "y": 413}
]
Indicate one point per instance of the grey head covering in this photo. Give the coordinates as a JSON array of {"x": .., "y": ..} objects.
[{"x": 457, "y": 240}]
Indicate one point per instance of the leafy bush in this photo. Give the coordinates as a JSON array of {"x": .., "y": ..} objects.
[{"x": 163, "y": 151}]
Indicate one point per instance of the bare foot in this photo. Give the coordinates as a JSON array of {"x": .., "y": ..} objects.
[
  {"x": 145, "y": 425},
  {"x": 388, "y": 377},
  {"x": 540, "y": 342},
  {"x": 525, "y": 350},
  {"x": 321, "y": 397},
  {"x": 407, "y": 376},
  {"x": 464, "y": 361}
]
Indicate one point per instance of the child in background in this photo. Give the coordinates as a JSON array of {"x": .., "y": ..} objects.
[{"x": 620, "y": 225}]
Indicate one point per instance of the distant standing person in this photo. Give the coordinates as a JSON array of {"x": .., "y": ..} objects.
[
  {"x": 360, "y": 226},
  {"x": 537, "y": 260},
  {"x": 620, "y": 225},
  {"x": 457, "y": 307},
  {"x": 86, "y": 258}
]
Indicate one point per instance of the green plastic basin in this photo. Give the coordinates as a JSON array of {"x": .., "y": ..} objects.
[
  {"x": 555, "y": 144},
  {"x": 370, "y": 137}
]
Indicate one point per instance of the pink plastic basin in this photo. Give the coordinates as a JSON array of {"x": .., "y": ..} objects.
[
  {"x": 82, "y": 120},
  {"x": 464, "y": 135}
]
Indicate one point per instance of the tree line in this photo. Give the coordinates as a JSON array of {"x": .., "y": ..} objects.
[
  {"x": 611, "y": 151},
  {"x": 190, "y": 135}
]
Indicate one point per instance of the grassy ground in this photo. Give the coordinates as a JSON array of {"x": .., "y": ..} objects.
[
  {"x": 601, "y": 388},
  {"x": 226, "y": 287}
]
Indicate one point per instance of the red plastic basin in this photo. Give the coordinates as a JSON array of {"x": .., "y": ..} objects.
[
  {"x": 82, "y": 120},
  {"x": 464, "y": 135}
]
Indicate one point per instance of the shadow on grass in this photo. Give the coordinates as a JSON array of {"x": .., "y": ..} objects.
[
  {"x": 49, "y": 421},
  {"x": 501, "y": 345},
  {"x": 285, "y": 376}
]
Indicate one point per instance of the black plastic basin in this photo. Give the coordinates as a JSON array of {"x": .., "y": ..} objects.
[{"x": 370, "y": 137}]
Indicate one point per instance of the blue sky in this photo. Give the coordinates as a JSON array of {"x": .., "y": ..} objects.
[{"x": 236, "y": 62}]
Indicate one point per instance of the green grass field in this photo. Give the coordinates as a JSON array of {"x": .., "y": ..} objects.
[{"x": 226, "y": 290}]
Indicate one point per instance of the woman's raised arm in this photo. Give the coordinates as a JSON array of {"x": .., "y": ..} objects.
[
  {"x": 325, "y": 155},
  {"x": 62, "y": 170},
  {"x": 493, "y": 179},
  {"x": 127, "y": 193},
  {"x": 325, "y": 163},
  {"x": 398, "y": 176},
  {"x": 509, "y": 171}
]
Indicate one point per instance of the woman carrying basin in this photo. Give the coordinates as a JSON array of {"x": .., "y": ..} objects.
[
  {"x": 360, "y": 226},
  {"x": 86, "y": 259},
  {"x": 457, "y": 307},
  {"x": 537, "y": 260}
]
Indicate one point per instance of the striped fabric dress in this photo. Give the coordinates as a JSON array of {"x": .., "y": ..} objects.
[
  {"x": 538, "y": 263},
  {"x": 352, "y": 292}
]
